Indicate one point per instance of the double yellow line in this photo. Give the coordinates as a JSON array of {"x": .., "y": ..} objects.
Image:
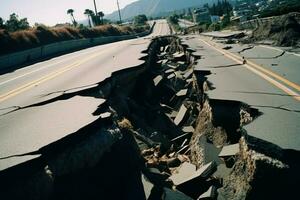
[
  {"x": 45, "y": 78},
  {"x": 261, "y": 71}
]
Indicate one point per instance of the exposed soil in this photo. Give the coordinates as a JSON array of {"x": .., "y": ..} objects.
[{"x": 285, "y": 31}]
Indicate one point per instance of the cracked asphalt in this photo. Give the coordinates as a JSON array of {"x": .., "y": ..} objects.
[
  {"x": 273, "y": 90},
  {"x": 35, "y": 108}
]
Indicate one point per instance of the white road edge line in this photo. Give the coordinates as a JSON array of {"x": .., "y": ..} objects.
[{"x": 47, "y": 66}]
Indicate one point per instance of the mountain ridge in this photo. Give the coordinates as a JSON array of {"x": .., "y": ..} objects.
[{"x": 154, "y": 8}]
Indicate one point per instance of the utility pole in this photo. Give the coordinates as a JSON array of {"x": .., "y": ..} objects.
[
  {"x": 119, "y": 11},
  {"x": 96, "y": 12}
]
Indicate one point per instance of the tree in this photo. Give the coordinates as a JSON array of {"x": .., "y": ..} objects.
[
  {"x": 140, "y": 20},
  {"x": 174, "y": 19},
  {"x": 101, "y": 15},
  {"x": 89, "y": 14},
  {"x": 15, "y": 24},
  {"x": 2, "y": 25},
  {"x": 71, "y": 13}
]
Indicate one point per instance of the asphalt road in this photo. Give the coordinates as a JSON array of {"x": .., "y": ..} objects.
[
  {"x": 29, "y": 129},
  {"x": 273, "y": 89}
]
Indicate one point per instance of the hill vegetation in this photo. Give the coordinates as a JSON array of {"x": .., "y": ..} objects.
[
  {"x": 156, "y": 8},
  {"x": 282, "y": 8},
  {"x": 17, "y": 35}
]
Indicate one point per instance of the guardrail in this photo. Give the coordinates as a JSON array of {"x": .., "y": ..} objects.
[{"x": 22, "y": 57}]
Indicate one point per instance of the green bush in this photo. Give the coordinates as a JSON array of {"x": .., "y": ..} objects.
[{"x": 140, "y": 20}]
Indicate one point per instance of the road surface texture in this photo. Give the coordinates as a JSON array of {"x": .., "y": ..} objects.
[
  {"x": 268, "y": 81},
  {"x": 26, "y": 128}
]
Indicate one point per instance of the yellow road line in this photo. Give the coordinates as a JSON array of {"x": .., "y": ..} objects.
[
  {"x": 47, "y": 66},
  {"x": 43, "y": 79},
  {"x": 256, "y": 69},
  {"x": 274, "y": 75}
]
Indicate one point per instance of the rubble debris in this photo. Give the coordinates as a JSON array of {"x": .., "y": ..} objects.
[
  {"x": 188, "y": 74},
  {"x": 210, "y": 194},
  {"x": 179, "y": 56},
  {"x": 148, "y": 186},
  {"x": 171, "y": 76},
  {"x": 186, "y": 147},
  {"x": 184, "y": 143},
  {"x": 169, "y": 71},
  {"x": 181, "y": 136},
  {"x": 193, "y": 183},
  {"x": 185, "y": 170},
  {"x": 181, "y": 114},
  {"x": 172, "y": 66},
  {"x": 157, "y": 80},
  {"x": 173, "y": 115},
  {"x": 188, "y": 129},
  {"x": 182, "y": 92},
  {"x": 105, "y": 115},
  {"x": 188, "y": 172}
]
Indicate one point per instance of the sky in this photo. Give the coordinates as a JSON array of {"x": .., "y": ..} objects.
[{"x": 51, "y": 12}]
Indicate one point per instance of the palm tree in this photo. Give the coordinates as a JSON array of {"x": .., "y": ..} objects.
[
  {"x": 96, "y": 12},
  {"x": 101, "y": 15},
  {"x": 89, "y": 14},
  {"x": 71, "y": 12}
]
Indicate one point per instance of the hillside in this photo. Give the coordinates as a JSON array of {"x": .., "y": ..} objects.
[
  {"x": 11, "y": 42},
  {"x": 156, "y": 8}
]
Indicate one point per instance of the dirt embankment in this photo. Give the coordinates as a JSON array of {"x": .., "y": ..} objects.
[
  {"x": 284, "y": 31},
  {"x": 21, "y": 40}
]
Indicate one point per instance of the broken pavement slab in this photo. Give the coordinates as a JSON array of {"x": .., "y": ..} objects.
[
  {"x": 181, "y": 114},
  {"x": 185, "y": 170},
  {"x": 157, "y": 80},
  {"x": 210, "y": 194},
  {"x": 182, "y": 92},
  {"x": 172, "y": 66},
  {"x": 148, "y": 186},
  {"x": 230, "y": 150},
  {"x": 171, "y": 76},
  {"x": 41, "y": 132},
  {"x": 169, "y": 71},
  {"x": 188, "y": 129},
  {"x": 188, "y": 172},
  {"x": 188, "y": 74}
]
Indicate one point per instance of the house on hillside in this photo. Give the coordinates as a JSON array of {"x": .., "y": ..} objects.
[{"x": 242, "y": 15}]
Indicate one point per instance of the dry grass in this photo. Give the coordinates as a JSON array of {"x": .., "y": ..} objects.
[
  {"x": 125, "y": 124},
  {"x": 41, "y": 35}
]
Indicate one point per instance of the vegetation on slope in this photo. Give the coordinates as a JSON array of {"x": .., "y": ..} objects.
[{"x": 16, "y": 35}]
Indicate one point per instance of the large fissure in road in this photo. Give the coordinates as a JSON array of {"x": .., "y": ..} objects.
[{"x": 158, "y": 136}]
